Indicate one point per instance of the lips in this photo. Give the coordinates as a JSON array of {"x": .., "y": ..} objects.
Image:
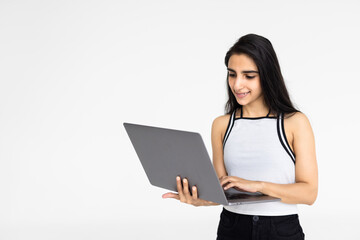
[{"x": 242, "y": 95}]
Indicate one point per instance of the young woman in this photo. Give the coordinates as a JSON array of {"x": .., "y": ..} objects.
[{"x": 262, "y": 144}]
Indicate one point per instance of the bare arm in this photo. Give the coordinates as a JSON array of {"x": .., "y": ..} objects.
[
  {"x": 217, "y": 135},
  {"x": 306, "y": 187}
]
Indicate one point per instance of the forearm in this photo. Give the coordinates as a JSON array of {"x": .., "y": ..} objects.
[{"x": 296, "y": 193}]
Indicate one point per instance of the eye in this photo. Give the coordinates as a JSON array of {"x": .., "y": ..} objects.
[
  {"x": 250, "y": 77},
  {"x": 232, "y": 75}
]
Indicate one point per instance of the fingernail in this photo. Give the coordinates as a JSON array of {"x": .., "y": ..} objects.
[
  {"x": 177, "y": 178},
  {"x": 184, "y": 180}
]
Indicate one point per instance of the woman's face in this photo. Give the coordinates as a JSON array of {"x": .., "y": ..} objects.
[{"x": 244, "y": 79}]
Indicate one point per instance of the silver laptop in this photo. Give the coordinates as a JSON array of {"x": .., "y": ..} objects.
[{"x": 165, "y": 153}]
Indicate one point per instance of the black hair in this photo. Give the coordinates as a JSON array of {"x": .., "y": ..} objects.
[{"x": 261, "y": 51}]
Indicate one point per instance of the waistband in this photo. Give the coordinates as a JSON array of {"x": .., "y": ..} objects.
[{"x": 260, "y": 218}]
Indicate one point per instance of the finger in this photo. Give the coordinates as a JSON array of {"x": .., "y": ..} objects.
[
  {"x": 229, "y": 185},
  {"x": 237, "y": 186},
  {"x": 194, "y": 193},
  {"x": 171, "y": 195},
  {"x": 225, "y": 180},
  {"x": 186, "y": 188},
  {"x": 180, "y": 188}
]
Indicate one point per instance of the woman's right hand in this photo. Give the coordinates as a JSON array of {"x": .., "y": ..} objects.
[{"x": 185, "y": 196}]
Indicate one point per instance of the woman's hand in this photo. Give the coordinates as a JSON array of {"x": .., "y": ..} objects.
[
  {"x": 240, "y": 184},
  {"x": 185, "y": 196}
]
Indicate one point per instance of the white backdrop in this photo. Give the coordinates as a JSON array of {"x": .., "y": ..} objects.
[{"x": 71, "y": 72}]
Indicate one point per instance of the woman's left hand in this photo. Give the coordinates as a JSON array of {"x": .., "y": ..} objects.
[{"x": 240, "y": 184}]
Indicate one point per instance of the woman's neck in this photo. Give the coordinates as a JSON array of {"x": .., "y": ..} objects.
[{"x": 259, "y": 110}]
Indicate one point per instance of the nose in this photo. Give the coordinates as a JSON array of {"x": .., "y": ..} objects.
[{"x": 239, "y": 83}]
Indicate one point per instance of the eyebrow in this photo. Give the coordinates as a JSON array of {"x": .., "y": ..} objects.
[{"x": 246, "y": 71}]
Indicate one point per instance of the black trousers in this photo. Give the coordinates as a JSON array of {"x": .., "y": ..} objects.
[{"x": 245, "y": 227}]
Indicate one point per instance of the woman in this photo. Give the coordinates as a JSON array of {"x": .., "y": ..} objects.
[{"x": 262, "y": 144}]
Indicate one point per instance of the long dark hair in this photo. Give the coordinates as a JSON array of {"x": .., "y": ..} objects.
[{"x": 261, "y": 51}]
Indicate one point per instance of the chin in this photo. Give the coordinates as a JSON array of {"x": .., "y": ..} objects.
[{"x": 241, "y": 102}]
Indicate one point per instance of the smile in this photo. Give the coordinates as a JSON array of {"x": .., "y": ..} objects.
[{"x": 242, "y": 95}]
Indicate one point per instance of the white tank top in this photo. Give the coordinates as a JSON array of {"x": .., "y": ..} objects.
[{"x": 257, "y": 149}]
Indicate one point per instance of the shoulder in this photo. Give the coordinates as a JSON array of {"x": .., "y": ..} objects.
[
  {"x": 297, "y": 122},
  {"x": 223, "y": 119},
  {"x": 220, "y": 124},
  {"x": 296, "y": 118}
]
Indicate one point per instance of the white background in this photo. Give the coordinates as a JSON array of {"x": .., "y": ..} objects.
[{"x": 71, "y": 72}]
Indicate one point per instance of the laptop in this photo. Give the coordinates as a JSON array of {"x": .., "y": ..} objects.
[{"x": 166, "y": 153}]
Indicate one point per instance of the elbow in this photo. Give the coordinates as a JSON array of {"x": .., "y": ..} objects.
[
  {"x": 312, "y": 197},
  {"x": 311, "y": 202}
]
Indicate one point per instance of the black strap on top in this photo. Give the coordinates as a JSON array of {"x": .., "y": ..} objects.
[
  {"x": 241, "y": 112},
  {"x": 268, "y": 112}
]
